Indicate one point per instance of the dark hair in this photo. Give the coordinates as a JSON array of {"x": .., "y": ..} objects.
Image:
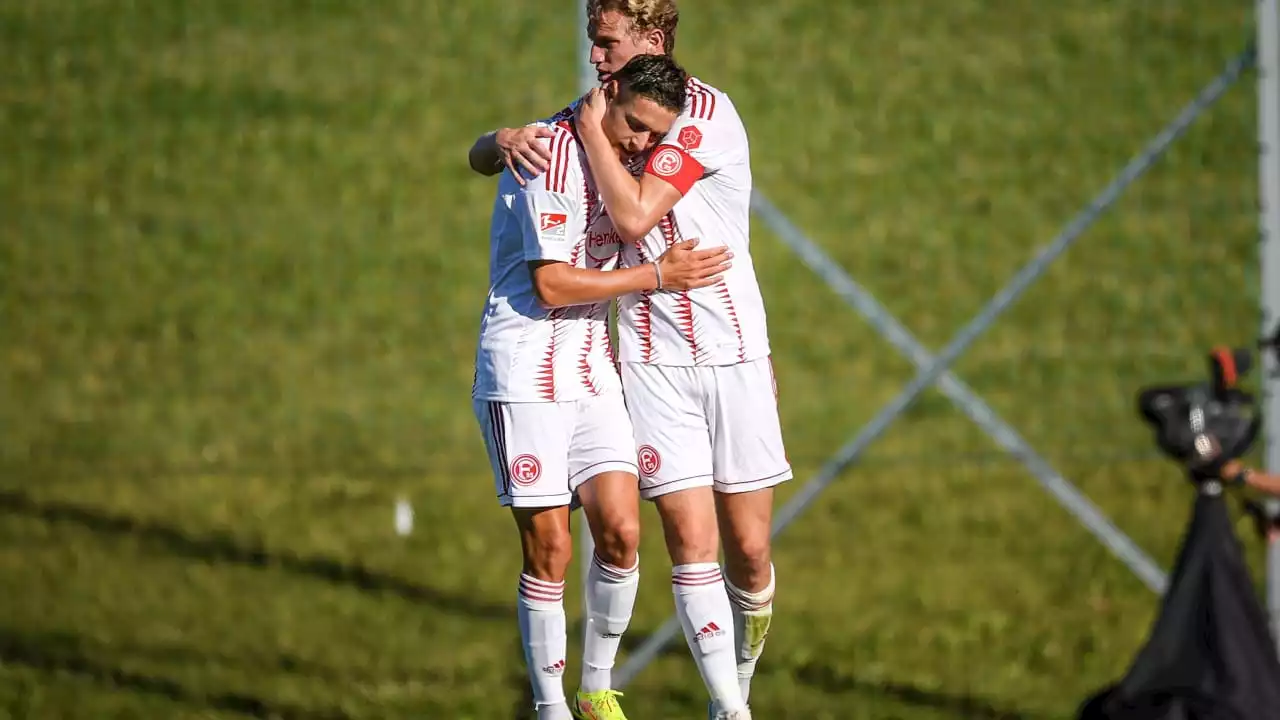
[{"x": 656, "y": 77}]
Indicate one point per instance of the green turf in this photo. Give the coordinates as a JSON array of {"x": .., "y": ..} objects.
[{"x": 242, "y": 264}]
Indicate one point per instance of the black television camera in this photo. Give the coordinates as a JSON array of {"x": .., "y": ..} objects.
[
  {"x": 1209, "y": 654},
  {"x": 1205, "y": 425}
]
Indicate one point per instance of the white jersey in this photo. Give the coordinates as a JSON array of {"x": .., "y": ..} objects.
[
  {"x": 706, "y": 157},
  {"x": 527, "y": 352}
]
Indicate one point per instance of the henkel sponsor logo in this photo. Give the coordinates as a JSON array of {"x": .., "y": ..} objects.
[{"x": 603, "y": 245}]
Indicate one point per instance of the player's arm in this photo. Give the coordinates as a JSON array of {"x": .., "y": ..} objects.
[
  {"x": 681, "y": 267},
  {"x": 550, "y": 211},
  {"x": 559, "y": 284},
  {"x": 636, "y": 205},
  {"x": 1237, "y": 472},
  {"x": 483, "y": 156},
  {"x": 511, "y": 148},
  {"x": 548, "y": 220}
]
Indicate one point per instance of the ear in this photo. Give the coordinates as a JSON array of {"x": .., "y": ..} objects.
[
  {"x": 655, "y": 40},
  {"x": 610, "y": 89}
]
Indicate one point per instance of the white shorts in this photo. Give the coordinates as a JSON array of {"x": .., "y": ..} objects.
[
  {"x": 541, "y": 452},
  {"x": 706, "y": 426}
]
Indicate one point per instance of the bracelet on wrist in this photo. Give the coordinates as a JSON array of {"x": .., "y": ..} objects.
[{"x": 657, "y": 270}]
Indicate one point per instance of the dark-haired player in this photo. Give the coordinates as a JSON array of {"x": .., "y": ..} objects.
[{"x": 547, "y": 394}]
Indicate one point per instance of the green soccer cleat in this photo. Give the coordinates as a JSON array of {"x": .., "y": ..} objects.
[{"x": 602, "y": 705}]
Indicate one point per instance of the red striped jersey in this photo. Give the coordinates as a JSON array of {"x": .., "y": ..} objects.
[
  {"x": 526, "y": 352},
  {"x": 706, "y": 157}
]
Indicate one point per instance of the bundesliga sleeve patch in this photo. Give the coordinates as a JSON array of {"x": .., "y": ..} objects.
[
  {"x": 676, "y": 167},
  {"x": 552, "y": 225}
]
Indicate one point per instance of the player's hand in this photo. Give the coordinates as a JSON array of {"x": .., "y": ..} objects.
[
  {"x": 590, "y": 111},
  {"x": 684, "y": 268},
  {"x": 520, "y": 146}
]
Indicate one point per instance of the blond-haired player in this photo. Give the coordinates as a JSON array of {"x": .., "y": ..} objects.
[
  {"x": 547, "y": 395},
  {"x": 696, "y": 365}
]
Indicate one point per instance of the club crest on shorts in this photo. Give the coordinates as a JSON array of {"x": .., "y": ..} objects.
[
  {"x": 649, "y": 460},
  {"x": 525, "y": 470}
]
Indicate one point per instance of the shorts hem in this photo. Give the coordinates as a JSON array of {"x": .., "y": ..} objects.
[
  {"x": 538, "y": 501},
  {"x": 666, "y": 487},
  {"x": 603, "y": 467},
  {"x": 746, "y": 486}
]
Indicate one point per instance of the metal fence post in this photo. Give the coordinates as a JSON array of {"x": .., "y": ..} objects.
[
  {"x": 586, "y": 80},
  {"x": 1268, "y": 68}
]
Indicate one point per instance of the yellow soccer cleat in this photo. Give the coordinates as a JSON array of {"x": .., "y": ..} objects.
[{"x": 602, "y": 705}]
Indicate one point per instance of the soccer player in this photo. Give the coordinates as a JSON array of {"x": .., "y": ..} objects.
[
  {"x": 547, "y": 394},
  {"x": 696, "y": 365}
]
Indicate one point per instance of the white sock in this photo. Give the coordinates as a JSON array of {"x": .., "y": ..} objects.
[
  {"x": 703, "y": 607},
  {"x": 542, "y": 628},
  {"x": 752, "y": 615},
  {"x": 611, "y": 598}
]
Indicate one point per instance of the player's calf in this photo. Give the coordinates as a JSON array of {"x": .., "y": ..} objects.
[
  {"x": 548, "y": 547},
  {"x": 689, "y": 525},
  {"x": 611, "y": 502},
  {"x": 745, "y": 522}
]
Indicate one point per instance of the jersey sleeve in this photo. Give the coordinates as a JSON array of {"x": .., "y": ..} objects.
[
  {"x": 550, "y": 206},
  {"x": 564, "y": 114},
  {"x": 695, "y": 147}
]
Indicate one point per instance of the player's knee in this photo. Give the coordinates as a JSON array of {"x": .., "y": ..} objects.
[
  {"x": 619, "y": 542},
  {"x": 548, "y": 553}
]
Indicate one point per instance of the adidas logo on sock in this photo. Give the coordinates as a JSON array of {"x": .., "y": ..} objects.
[
  {"x": 708, "y": 631},
  {"x": 556, "y": 669}
]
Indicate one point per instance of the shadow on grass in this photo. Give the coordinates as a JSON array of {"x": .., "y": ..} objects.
[
  {"x": 275, "y": 664},
  {"x": 62, "y": 653},
  {"x": 221, "y": 547},
  {"x": 635, "y": 638},
  {"x": 519, "y": 678},
  {"x": 968, "y": 707}
]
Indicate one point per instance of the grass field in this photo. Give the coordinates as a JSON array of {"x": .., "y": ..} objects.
[{"x": 242, "y": 264}]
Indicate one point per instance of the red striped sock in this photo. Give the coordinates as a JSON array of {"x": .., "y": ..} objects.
[
  {"x": 611, "y": 598},
  {"x": 707, "y": 618},
  {"x": 540, "y": 610}
]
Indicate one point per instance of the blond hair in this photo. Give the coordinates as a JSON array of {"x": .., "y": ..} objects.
[{"x": 645, "y": 15}]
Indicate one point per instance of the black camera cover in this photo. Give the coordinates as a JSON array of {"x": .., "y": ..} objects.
[{"x": 1209, "y": 655}]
